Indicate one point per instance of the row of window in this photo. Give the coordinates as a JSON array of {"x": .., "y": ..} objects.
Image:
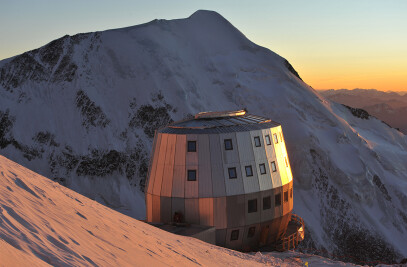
[
  {"x": 249, "y": 170},
  {"x": 253, "y": 208},
  {"x": 252, "y": 203},
  {"x": 191, "y": 146},
  {"x": 233, "y": 174},
  {"x": 235, "y": 233}
]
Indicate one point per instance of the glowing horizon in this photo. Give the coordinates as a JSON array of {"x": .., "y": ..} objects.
[{"x": 332, "y": 44}]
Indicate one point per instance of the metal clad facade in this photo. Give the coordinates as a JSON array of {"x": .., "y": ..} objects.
[
  {"x": 219, "y": 211},
  {"x": 160, "y": 165},
  {"x": 284, "y": 150},
  {"x": 206, "y": 211},
  {"x": 218, "y": 180},
  {"x": 280, "y": 156},
  {"x": 191, "y": 187},
  {"x": 253, "y": 217},
  {"x": 261, "y": 158},
  {"x": 278, "y": 210},
  {"x": 166, "y": 214},
  {"x": 229, "y": 156},
  {"x": 204, "y": 167},
  {"x": 177, "y": 205},
  {"x": 222, "y": 191},
  {"x": 251, "y": 183},
  {"x": 166, "y": 187},
  {"x": 179, "y": 175},
  {"x": 234, "y": 244},
  {"x": 245, "y": 146},
  {"x": 154, "y": 164},
  {"x": 156, "y": 216},
  {"x": 192, "y": 210},
  {"x": 251, "y": 241},
  {"x": 221, "y": 237},
  {"x": 192, "y": 157},
  {"x": 233, "y": 186},
  {"x": 235, "y": 211},
  {"x": 271, "y": 156},
  {"x": 267, "y": 214}
]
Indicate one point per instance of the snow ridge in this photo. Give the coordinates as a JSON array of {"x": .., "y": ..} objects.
[{"x": 82, "y": 110}]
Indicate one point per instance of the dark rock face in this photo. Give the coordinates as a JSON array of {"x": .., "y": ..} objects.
[
  {"x": 6, "y": 123},
  {"x": 38, "y": 65},
  {"x": 92, "y": 115},
  {"x": 381, "y": 186},
  {"x": 353, "y": 240},
  {"x": 291, "y": 69},
  {"x": 20, "y": 69},
  {"x": 358, "y": 112},
  {"x": 150, "y": 117}
]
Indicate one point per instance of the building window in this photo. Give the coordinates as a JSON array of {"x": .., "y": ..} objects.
[
  {"x": 275, "y": 138},
  {"x": 257, "y": 142},
  {"x": 273, "y": 166},
  {"x": 268, "y": 141},
  {"x": 249, "y": 171},
  {"x": 232, "y": 173},
  {"x": 286, "y": 162},
  {"x": 277, "y": 200},
  {"x": 281, "y": 136},
  {"x": 252, "y": 231},
  {"x": 291, "y": 192},
  {"x": 234, "y": 235},
  {"x": 266, "y": 203},
  {"x": 191, "y": 146},
  {"x": 228, "y": 144},
  {"x": 262, "y": 168},
  {"x": 286, "y": 196},
  {"x": 252, "y": 205},
  {"x": 191, "y": 175}
]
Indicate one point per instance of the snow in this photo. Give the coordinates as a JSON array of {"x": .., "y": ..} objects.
[
  {"x": 203, "y": 63},
  {"x": 44, "y": 223}
]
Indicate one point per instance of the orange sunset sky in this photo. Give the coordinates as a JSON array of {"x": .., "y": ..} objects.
[{"x": 332, "y": 44}]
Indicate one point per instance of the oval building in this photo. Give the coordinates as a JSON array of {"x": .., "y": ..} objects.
[{"x": 229, "y": 170}]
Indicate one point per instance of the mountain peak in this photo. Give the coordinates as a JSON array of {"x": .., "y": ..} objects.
[{"x": 202, "y": 13}]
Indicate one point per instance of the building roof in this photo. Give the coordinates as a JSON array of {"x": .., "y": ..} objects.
[{"x": 219, "y": 122}]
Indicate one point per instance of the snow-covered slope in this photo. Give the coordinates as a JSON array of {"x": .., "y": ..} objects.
[
  {"x": 43, "y": 223},
  {"x": 82, "y": 110}
]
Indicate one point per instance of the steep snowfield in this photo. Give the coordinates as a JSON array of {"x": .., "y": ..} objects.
[
  {"x": 43, "y": 223},
  {"x": 82, "y": 111}
]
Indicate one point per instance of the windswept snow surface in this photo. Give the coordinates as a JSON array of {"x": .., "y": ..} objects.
[
  {"x": 43, "y": 223},
  {"x": 82, "y": 111}
]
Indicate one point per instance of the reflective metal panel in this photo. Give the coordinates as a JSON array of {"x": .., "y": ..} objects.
[
  {"x": 229, "y": 156},
  {"x": 150, "y": 182},
  {"x": 252, "y": 217},
  {"x": 192, "y": 211},
  {"x": 166, "y": 188},
  {"x": 177, "y": 205},
  {"x": 160, "y": 165},
  {"x": 179, "y": 177},
  {"x": 166, "y": 213},
  {"x": 235, "y": 211},
  {"x": 219, "y": 206},
  {"x": 156, "y": 209},
  {"x": 233, "y": 186},
  {"x": 204, "y": 167},
  {"x": 206, "y": 211}
]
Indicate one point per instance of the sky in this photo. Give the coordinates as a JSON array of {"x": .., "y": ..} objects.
[{"x": 332, "y": 44}]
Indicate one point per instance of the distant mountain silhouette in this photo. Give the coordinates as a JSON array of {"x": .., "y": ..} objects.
[{"x": 389, "y": 107}]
